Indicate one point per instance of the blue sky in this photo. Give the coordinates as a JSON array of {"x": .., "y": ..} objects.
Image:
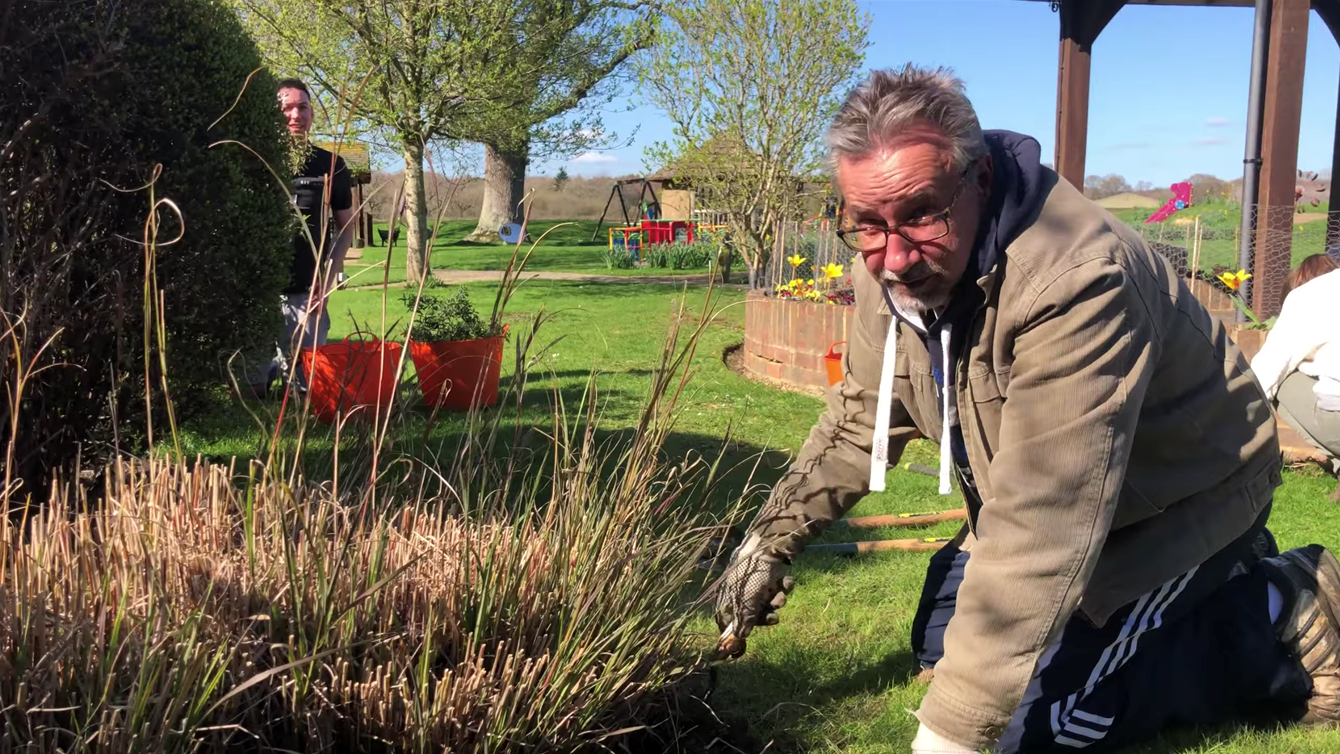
[{"x": 1168, "y": 94}]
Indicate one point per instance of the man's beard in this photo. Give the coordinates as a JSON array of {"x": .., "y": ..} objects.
[{"x": 933, "y": 298}]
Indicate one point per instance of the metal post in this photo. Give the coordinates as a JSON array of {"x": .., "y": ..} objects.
[{"x": 1251, "y": 162}]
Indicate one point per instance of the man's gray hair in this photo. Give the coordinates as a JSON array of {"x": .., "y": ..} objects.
[{"x": 889, "y": 101}]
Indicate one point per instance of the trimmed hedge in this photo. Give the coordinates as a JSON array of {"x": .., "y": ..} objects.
[{"x": 97, "y": 97}]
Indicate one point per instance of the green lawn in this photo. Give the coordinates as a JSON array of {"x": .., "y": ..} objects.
[
  {"x": 837, "y": 674},
  {"x": 565, "y": 249}
]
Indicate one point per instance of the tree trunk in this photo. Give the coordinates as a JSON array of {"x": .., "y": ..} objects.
[
  {"x": 417, "y": 263},
  {"x": 504, "y": 187}
]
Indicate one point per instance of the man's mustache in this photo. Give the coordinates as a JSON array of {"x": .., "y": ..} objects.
[{"x": 918, "y": 273}]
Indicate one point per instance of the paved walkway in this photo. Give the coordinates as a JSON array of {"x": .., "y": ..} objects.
[
  {"x": 1296, "y": 449},
  {"x": 477, "y": 276}
]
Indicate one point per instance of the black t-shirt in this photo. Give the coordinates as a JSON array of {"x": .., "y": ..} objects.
[{"x": 309, "y": 189}]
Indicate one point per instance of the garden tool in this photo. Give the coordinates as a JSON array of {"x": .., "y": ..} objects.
[
  {"x": 754, "y": 588},
  {"x": 729, "y": 644},
  {"x": 906, "y": 545},
  {"x": 903, "y": 519}
]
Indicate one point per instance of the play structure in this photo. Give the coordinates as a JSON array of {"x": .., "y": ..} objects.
[
  {"x": 1181, "y": 199},
  {"x": 650, "y": 228},
  {"x": 648, "y": 209},
  {"x": 359, "y": 161}
]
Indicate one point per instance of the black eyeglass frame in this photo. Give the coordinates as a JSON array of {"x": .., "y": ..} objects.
[{"x": 848, "y": 235}]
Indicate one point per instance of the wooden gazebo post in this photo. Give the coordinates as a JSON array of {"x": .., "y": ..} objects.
[
  {"x": 1279, "y": 154},
  {"x": 1081, "y": 23},
  {"x": 1329, "y": 11}
]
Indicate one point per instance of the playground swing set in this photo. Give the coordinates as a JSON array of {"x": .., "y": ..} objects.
[{"x": 651, "y": 228}]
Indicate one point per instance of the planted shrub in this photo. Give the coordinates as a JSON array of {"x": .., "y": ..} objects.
[
  {"x": 691, "y": 256},
  {"x": 100, "y": 99},
  {"x": 681, "y": 255},
  {"x": 658, "y": 255},
  {"x": 442, "y": 319}
]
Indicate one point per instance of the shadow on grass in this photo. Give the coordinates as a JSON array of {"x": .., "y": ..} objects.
[{"x": 243, "y": 430}]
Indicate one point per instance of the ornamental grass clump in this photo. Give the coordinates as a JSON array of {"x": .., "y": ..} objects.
[
  {"x": 221, "y": 608},
  {"x": 532, "y": 592}
]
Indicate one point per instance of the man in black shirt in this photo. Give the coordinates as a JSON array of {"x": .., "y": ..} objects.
[{"x": 321, "y": 181}]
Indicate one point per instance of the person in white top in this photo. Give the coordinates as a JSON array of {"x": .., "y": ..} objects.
[{"x": 1299, "y": 365}]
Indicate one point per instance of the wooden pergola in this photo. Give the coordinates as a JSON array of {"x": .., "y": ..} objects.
[{"x": 1082, "y": 21}]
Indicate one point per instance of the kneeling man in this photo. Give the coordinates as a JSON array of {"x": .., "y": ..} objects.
[{"x": 1116, "y": 455}]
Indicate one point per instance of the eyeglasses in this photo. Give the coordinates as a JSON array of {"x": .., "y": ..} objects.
[{"x": 917, "y": 230}]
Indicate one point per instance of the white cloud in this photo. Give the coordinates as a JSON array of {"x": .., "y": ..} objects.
[
  {"x": 591, "y": 158},
  {"x": 1216, "y": 121},
  {"x": 1209, "y": 141}
]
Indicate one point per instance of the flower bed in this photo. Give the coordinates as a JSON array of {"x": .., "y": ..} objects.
[
  {"x": 789, "y": 331},
  {"x": 786, "y": 339}
]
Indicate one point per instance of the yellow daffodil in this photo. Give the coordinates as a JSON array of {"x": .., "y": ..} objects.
[
  {"x": 1234, "y": 280},
  {"x": 810, "y": 281},
  {"x": 796, "y": 260},
  {"x": 832, "y": 271}
]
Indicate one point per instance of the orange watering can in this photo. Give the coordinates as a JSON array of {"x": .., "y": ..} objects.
[{"x": 833, "y": 363}]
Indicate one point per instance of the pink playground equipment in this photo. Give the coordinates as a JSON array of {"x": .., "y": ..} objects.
[{"x": 1181, "y": 199}]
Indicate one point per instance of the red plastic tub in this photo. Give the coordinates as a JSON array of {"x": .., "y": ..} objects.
[
  {"x": 351, "y": 374},
  {"x": 459, "y": 374}
]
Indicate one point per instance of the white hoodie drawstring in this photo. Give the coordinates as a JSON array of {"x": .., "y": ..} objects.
[
  {"x": 879, "y": 451},
  {"x": 946, "y": 454}
]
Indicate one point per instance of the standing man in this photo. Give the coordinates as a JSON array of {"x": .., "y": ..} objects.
[
  {"x": 1116, "y": 455},
  {"x": 320, "y": 182}
]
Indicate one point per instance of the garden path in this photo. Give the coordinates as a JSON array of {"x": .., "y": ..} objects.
[{"x": 477, "y": 276}]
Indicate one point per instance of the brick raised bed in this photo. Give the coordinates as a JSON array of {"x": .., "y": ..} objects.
[
  {"x": 1213, "y": 299},
  {"x": 787, "y": 340}
]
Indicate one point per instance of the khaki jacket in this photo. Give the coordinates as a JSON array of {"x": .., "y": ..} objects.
[{"x": 1115, "y": 433}]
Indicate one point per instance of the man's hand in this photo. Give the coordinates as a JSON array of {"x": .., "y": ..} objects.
[
  {"x": 930, "y": 742},
  {"x": 752, "y": 590}
]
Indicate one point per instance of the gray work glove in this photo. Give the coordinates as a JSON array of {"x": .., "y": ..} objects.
[{"x": 751, "y": 592}]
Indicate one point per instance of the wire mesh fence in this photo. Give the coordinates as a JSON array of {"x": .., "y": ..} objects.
[
  {"x": 801, "y": 250},
  {"x": 1206, "y": 245},
  {"x": 1200, "y": 246}
]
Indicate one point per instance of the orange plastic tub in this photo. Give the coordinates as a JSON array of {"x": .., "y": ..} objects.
[
  {"x": 459, "y": 374},
  {"x": 349, "y": 375}
]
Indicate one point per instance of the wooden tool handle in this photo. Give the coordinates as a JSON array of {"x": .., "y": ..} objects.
[
  {"x": 907, "y": 545},
  {"x": 902, "y": 519}
]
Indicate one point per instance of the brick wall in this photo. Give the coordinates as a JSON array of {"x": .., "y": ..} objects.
[
  {"x": 1222, "y": 308},
  {"x": 1213, "y": 299},
  {"x": 787, "y": 340}
]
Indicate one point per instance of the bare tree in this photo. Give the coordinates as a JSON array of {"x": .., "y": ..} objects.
[
  {"x": 1209, "y": 188},
  {"x": 1099, "y": 187},
  {"x": 750, "y": 86}
]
